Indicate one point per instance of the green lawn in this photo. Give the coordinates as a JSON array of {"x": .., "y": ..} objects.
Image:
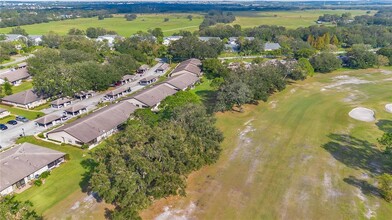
[
  {"x": 118, "y": 23},
  {"x": 288, "y": 19},
  {"x": 63, "y": 180},
  {"x": 297, "y": 156},
  {"x": 26, "y": 85},
  {"x": 178, "y": 21},
  {"x": 29, "y": 114}
]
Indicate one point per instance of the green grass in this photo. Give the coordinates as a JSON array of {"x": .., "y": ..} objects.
[
  {"x": 29, "y": 114},
  {"x": 298, "y": 156},
  {"x": 5, "y": 119},
  {"x": 288, "y": 19},
  {"x": 178, "y": 21},
  {"x": 118, "y": 23},
  {"x": 26, "y": 85},
  {"x": 63, "y": 180}
]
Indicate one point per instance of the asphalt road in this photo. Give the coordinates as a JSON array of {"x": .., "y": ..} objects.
[{"x": 9, "y": 136}]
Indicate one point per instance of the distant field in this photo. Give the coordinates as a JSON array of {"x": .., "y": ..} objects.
[
  {"x": 119, "y": 24},
  {"x": 178, "y": 21},
  {"x": 288, "y": 19}
]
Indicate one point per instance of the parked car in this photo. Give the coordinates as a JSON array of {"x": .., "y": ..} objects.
[
  {"x": 3, "y": 127},
  {"x": 12, "y": 122},
  {"x": 21, "y": 118}
]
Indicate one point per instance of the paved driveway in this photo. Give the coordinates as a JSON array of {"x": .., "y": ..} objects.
[{"x": 9, "y": 136}]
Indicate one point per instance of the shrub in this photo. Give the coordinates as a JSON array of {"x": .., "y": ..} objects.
[
  {"x": 84, "y": 146},
  {"x": 38, "y": 182},
  {"x": 41, "y": 135},
  {"x": 44, "y": 175},
  {"x": 67, "y": 157}
]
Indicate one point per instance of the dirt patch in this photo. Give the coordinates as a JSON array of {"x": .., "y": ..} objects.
[
  {"x": 273, "y": 104},
  {"x": 386, "y": 72},
  {"x": 329, "y": 191},
  {"x": 344, "y": 80},
  {"x": 177, "y": 214},
  {"x": 244, "y": 140},
  {"x": 362, "y": 114}
]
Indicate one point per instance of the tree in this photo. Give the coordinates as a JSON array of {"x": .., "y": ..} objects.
[
  {"x": 130, "y": 17},
  {"x": 177, "y": 100},
  {"x": 76, "y": 31},
  {"x": 156, "y": 32},
  {"x": 190, "y": 17},
  {"x": 325, "y": 62},
  {"x": 18, "y": 30},
  {"x": 302, "y": 69},
  {"x": 335, "y": 41},
  {"x": 386, "y": 142},
  {"x": 7, "y": 87},
  {"x": 166, "y": 19},
  {"x": 360, "y": 57},
  {"x": 12, "y": 209},
  {"x": 382, "y": 61},
  {"x": 233, "y": 92},
  {"x": 386, "y": 51},
  {"x": 51, "y": 40},
  {"x": 213, "y": 68},
  {"x": 385, "y": 184}
]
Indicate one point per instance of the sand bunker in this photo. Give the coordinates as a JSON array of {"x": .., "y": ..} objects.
[
  {"x": 388, "y": 108},
  {"x": 362, "y": 114}
]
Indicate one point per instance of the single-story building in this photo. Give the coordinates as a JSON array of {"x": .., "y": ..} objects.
[
  {"x": 84, "y": 94},
  {"x": 117, "y": 93},
  {"x": 183, "y": 81},
  {"x": 142, "y": 69},
  {"x": 94, "y": 127},
  {"x": 24, "y": 163},
  {"x": 205, "y": 39},
  {"x": 152, "y": 97},
  {"x": 21, "y": 65},
  {"x": 162, "y": 68},
  {"x": 148, "y": 80},
  {"x": 271, "y": 46},
  {"x": 75, "y": 110},
  {"x": 109, "y": 39},
  {"x": 168, "y": 40},
  {"x": 4, "y": 113},
  {"x": 15, "y": 77},
  {"x": 61, "y": 102},
  {"x": 127, "y": 79},
  {"x": 188, "y": 66},
  {"x": 26, "y": 99},
  {"x": 15, "y": 37},
  {"x": 49, "y": 120},
  {"x": 35, "y": 39}
]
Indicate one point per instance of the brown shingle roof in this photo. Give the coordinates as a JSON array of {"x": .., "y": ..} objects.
[
  {"x": 118, "y": 91},
  {"x": 23, "y": 98},
  {"x": 60, "y": 101},
  {"x": 155, "y": 94},
  {"x": 48, "y": 119},
  {"x": 95, "y": 124},
  {"x": 23, "y": 160},
  {"x": 75, "y": 108},
  {"x": 16, "y": 75},
  {"x": 189, "y": 66},
  {"x": 183, "y": 81}
]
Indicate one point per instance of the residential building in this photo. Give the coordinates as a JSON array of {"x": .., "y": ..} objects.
[
  {"x": 15, "y": 37},
  {"x": 152, "y": 97},
  {"x": 168, "y": 40},
  {"x": 15, "y": 77},
  {"x": 271, "y": 46},
  {"x": 75, "y": 110},
  {"x": 61, "y": 102},
  {"x": 35, "y": 39},
  {"x": 49, "y": 120},
  {"x": 4, "y": 113},
  {"x": 110, "y": 39},
  {"x": 148, "y": 80},
  {"x": 142, "y": 69},
  {"x": 117, "y": 93},
  {"x": 209, "y": 38},
  {"x": 25, "y": 162},
  {"x": 183, "y": 81},
  {"x": 127, "y": 79},
  {"x": 94, "y": 127},
  {"x": 162, "y": 68},
  {"x": 84, "y": 94},
  {"x": 26, "y": 99},
  {"x": 188, "y": 66}
]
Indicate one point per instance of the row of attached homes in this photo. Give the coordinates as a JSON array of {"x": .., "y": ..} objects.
[{"x": 95, "y": 127}]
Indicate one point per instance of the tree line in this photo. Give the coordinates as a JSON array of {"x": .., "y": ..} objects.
[{"x": 155, "y": 153}]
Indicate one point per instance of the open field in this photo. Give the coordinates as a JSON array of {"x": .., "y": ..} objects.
[
  {"x": 298, "y": 156},
  {"x": 288, "y": 19},
  {"x": 177, "y": 22},
  {"x": 118, "y": 23}
]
